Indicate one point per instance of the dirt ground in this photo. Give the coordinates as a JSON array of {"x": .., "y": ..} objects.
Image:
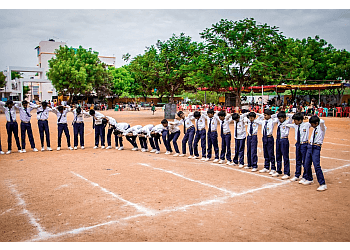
[{"x": 127, "y": 196}]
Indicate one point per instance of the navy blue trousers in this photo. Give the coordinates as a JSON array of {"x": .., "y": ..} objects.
[
  {"x": 166, "y": 140},
  {"x": 252, "y": 151},
  {"x": 239, "y": 151},
  {"x": 100, "y": 133},
  {"x": 143, "y": 142},
  {"x": 313, "y": 156},
  {"x": 300, "y": 154},
  {"x": 27, "y": 128},
  {"x": 226, "y": 147},
  {"x": 44, "y": 127},
  {"x": 109, "y": 137},
  {"x": 213, "y": 142},
  {"x": 63, "y": 127},
  {"x": 132, "y": 140},
  {"x": 78, "y": 130},
  {"x": 282, "y": 150},
  {"x": 151, "y": 142},
  {"x": 188, "y": 137},
  {"x": 12, "y": 127},
  {"x": 200, "y": 135},
  {"x": 269, "y": 155},
  {"x": 173, "y": 137}
]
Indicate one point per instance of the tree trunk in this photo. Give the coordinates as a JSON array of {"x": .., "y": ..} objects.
[
  {"x": 70, "y": 98},
  {"x": 238, "y": 97},
  {"x": 171, "y": 99}
]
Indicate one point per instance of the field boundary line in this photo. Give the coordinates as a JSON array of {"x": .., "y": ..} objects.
[{"x": 136, "y": 206}]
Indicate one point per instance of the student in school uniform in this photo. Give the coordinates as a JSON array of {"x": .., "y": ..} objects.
[
  {"x": 112, "y": 123},
  {"x": 78, "y": 126},
  {"x": 267, "y": 126},
  {"x": 252, "y": 141},
  {"x": 212, "y": 122},
  {"x": 302, "y": 140},
  {"x": 131, "y": 134},
  {"x": 225, "y": 137},
  {"x": 120, "y": 128},
  {"x": 26, "y": 126},
  {"x": 144, "y": 133},
  {"x": 282, "y": 145},
  {"x": 189, "y": 131},
  {"x": 174, "y": 135},
  {"x": 11, "y": 125},
  {"x": 61, "y": 112},
  {"x": 43, "y": 125},
  {"x": 98, "y": 123},
  {"x": 240, "y": 136},
  {"x": 166, "y": 136},
  {"x": 156, "y": 133},
  {"x": 199, "y": 135},
  {"x": 313, "y": 153}
]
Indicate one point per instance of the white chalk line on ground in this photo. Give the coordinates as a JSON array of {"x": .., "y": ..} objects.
[
  {"x": 189, "y": 179},
  {"x": 348, "y": 145},
  {"x": 180, "y": 208},
  {"x": 7, "y": 211},
  {"x": 136, "y": 206},
  {"x": 32, "y": 220}
]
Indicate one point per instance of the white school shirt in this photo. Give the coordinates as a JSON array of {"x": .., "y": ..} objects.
[
  {"x": 320, "y": 131},
  {"x": 270, "y": 123},
  {"x": 147, "y": 129},
  {"x": 8, "y": 111},
  {"x": 255, "y": 124},
  {"x": 61, "y": 118},
  {"x": 214, "y": 121},
  {"x": 304, "y": 131},
  {"x": 134, "y": 130},
  {"x": 241, "y": 134},
  {"x": 174, "y": 126},
  {"x": 98, "y": 118},
  {"x": 226, "y": 124},
  {"x": 122, "y": 127},
  {"x": 43, "y": 114},
  {"x": 283, "y": 126},
  {"x": 158, "y": 129},
  {"x": 24, "y": 114},
  {"x": 111, "y": 121},
  {"x": 199, "y": 123},
  {"x": 79, "y": 118},
  {"x": 187, "y": 121}
]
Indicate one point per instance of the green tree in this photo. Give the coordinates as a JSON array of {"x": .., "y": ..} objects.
[
  {"x": 15, "y": 75},
  {"x": 2, "y": 79},
  {"x": 124, "y": 83},
  {"x": 79, "y": 71},
  {"x": 244, "y": 52}
]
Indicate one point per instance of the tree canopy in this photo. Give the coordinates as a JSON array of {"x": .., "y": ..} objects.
[{"x": 2, "y": 79}]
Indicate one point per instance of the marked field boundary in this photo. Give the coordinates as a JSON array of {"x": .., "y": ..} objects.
[{"x": 145, "y": 212}]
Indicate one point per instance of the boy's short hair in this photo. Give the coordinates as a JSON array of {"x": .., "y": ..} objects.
[
  {"x": 60, "y": 108},
  {"x": 78, "y": 110},
  {"x": 235, "y": 116},
  {"x": 222, "y": 113},
  {"x": 164, "y": 121},
  {"x": 298, "y": 116},
  {"x": 92, "y": 112},
  {"x": 314, "y": 119},
  {"x": 281, "y": 114},
  {"x": 268, "y": 112},
  {"x": 179, "y": 113},
  {"x": 251, "y": 114},
  {"x": 210, "y": 111},
  {"x": 197, "y": 114},
  {"x": 44, "y": 104},
  {"x": 24, "y": 102},
  {"x": 8, "y": 102}
]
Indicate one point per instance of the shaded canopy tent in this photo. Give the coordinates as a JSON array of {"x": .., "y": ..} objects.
[{"x": 278, "y": 88}]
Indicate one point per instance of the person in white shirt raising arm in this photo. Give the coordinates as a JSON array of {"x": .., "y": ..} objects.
[
  {"x": 26, "y": 126},
  {"x": 61, "y": 112},
  {"x": 11, "y": 125},
  {"x": 43, "y": 124},
  {"x": 240, "y": 135}
]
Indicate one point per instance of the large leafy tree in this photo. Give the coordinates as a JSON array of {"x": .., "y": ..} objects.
[
  {"x": 2, "y": 79},
  {"x": 124, "y": 83},
  {"x": 245, "y": 52},
  {"x": 78, "y": 71}
]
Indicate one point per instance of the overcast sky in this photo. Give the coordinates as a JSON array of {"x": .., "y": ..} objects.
[{"x": 116, "y": 32}]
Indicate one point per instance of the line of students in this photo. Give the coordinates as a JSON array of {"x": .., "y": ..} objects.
[{"x": 306, "y": 152}]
